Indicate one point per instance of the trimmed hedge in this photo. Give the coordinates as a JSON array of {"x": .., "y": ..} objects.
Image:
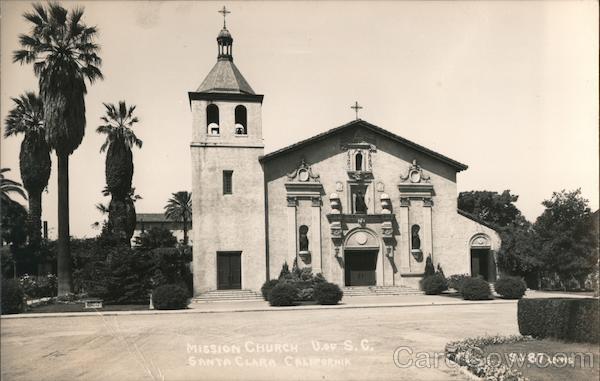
[
  {"x": 510, "y": 287},
  {"x": 170, "y": 297},
  {"x": 328, "y": 293},
  {"x": 267, "y": 287},
  {"x": 475, "y": 289},
  {"x": 283, "y": 294},
  {"x": 12, "y": 297},
  {"x": 569, "y": 319},
  {"x": 434, "y": 284}
]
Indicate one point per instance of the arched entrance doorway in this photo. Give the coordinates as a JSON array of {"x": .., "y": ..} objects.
[
  {"x": 361, "y": 254},
  {"x": 482, "y": 259}
]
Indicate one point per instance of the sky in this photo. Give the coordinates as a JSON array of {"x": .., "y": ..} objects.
[{"x": 508, "y": 88}]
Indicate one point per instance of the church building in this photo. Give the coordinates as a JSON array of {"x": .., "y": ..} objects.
[{"x": 357, "y": 203}]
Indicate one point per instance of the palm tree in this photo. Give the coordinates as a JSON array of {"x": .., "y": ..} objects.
[
  {"x": 13, "y": 215},
  {"x": 8, "y": 186},
  {"x": 179, "y": 209},
  {"x": 120, "y": 139},
  {"x": 27, "y": 118},
  {"x": 63, "y": 53}
]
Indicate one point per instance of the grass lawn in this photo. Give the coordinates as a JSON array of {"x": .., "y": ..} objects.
[
  {"x": 544, "y": 359},
  {"x": 59, "y": 307}
]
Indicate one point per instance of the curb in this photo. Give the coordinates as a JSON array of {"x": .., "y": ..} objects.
[{"x": 259, "y": 309}]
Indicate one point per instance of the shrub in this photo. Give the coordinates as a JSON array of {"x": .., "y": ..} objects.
[
  {"x": 283, "y": 294},
  {"x": 429, "y": 269},
  {"x": 128, "y": 280},
  {"x": 456, "y": 281},
  {"x": 285, "y": 271},
  {"x": 510, "y": 287},
  {"x": 154, "y": 238},
  {"x": 434, "y": 284},
  {"x": 12, "y": 297},
  {"x": 560, "y": 318},
  {"x": 475, "y": 289},
  {"x": 328, "y": 293},
  {"x": 267, "y": 287},
  {"x": 38, "y": 287},
  {"x": 170, "y": 297}
]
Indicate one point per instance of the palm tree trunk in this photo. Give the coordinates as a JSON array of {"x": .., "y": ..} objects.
[
  {"x": 35, "y": 219},
  {"x": 63, "y": 256},
  {"x": 185, "y": 232}
]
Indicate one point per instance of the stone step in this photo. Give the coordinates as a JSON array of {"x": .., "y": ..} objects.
[
  {"x": 227, "y": 295},
  {"x": 379, "y": 290}
]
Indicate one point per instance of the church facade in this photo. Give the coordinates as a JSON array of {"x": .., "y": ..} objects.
[{"x": 357, "y": 203}]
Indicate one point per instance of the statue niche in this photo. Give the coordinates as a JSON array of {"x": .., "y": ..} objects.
[
  {"x": 303, "y": 239},
  {"x": 415, "y": 243},
  {"x": 359, "y": 204}
]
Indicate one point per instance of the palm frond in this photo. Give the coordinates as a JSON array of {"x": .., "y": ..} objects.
[{"x": 58, "y": 14}]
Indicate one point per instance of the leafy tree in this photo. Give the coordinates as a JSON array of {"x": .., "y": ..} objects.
[
  {"x": 179, "y": 209},
  {"x": 154, "y": 238},
  {"x": 27, "y": 118},
  {"x": 63, "y": 53},
  {"x": 518, "y": 254},
  {"x": 568, "y": 243},
  {"x": 120, "y": 138},
  {"x": 496, "y": 209}
]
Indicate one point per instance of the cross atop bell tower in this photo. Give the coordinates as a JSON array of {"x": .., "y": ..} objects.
[
  {"x": 224, "y": 40},
  {"x": 224, "y": 12}
]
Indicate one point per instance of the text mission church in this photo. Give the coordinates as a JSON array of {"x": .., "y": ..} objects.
[{"x": 357, "y": 203}]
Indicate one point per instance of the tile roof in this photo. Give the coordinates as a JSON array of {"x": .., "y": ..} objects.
[
  {"x": 361, "y": 123},
  {"x": 225, "y": 77}
]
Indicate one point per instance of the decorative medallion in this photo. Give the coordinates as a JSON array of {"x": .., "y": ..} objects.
[
  {"x": 361, "y": 238},
  {"x": 380, "y": 186},
  {"x": 303, "y": 173},
  {"x": 339, "y": 186},
  {"x": 415, "y": 174}
]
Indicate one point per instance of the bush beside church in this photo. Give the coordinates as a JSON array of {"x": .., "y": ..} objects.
[{"x": 300, "y": 285}]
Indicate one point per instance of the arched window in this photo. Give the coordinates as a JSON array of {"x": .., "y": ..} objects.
[
  {"x": 212, "y": 119},
  {"x": 241, "y": 126},
  {"x": 358, "y": 161}
]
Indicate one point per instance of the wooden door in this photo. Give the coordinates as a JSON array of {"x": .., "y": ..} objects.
[{"x": 229, "y": 271}]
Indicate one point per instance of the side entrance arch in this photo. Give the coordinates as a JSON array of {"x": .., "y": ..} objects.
[
  {"x": 482, "y": 258},
  {"x": 361, "y": 257}
]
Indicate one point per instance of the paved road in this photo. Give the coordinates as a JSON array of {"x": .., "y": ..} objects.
[{"x": 171, "y": 347}]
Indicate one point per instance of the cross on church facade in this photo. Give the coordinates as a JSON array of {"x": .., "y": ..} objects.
[
  {"x": 356, "y": 107},
  {"x": 224, "y": 12}
]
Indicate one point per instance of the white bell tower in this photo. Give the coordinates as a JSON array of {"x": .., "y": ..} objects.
[{"x": 228, "y": 192}]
